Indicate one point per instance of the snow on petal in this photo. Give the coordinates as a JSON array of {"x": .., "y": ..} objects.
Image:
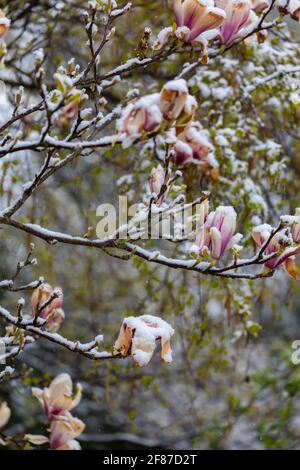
[{"x": 138, "y": 336}]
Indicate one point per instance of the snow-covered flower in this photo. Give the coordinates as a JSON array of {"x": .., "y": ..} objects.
[
  {"x": 290, "y": 7},
  {"x": 58, "y": 398},
  {"x": 240, "y": 18},
  {"x": 138, "y": 336},
  {"x": 4, "y": 23},
  {"x": 296, "y": 227},
  {"x": 4, "y": 414},
  {"x": 217, "y": 232},
  {"x": 52, "y": 313},
  {"x": 157, "y": 180},
  {"x": 175, "y": 100},
  {"x": 192, "y": 146},
  {"x": 280, "y": 243},
  {"x": 63, "y": 432},
  {"x": 143, "y": 115},
  {"x": 163, "y": 37},
  {"x": 195, "y": 17}
]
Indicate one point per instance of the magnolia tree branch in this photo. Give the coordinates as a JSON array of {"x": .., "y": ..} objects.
[
  {"x": 202, "y": 267},
  {"x": 88, "y": 350}
]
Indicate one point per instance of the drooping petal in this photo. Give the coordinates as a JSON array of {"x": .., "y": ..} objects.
[
  {"x": 5, "y": 414},
  {"x": 216, "y": 242}
]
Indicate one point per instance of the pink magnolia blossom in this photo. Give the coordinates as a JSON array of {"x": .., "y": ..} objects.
[
  {"x": 195, "y": 17},
  {"x": 261, "y": 234},
  {"x": 53, "y": 312},
  {"x": 217, "y": 232},
  {"x": 296, "y": 227},
  {"x": 58, "y": 398},
  {"x": 156, "y": 183},
  {"x": 64, "y": 430},
  {"x": 4, "y": 23},
  {"x": 143, "y": 115},
  {"x": 66, "y": 114},
  {"x": 138, "y": 336},
  {"x": 192, "y": 146},
  {"x": 240, "y": 18},
  {"x": 175, "y": 100}
]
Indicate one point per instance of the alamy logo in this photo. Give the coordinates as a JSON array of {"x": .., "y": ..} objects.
[{"x": 139, "y": 221}]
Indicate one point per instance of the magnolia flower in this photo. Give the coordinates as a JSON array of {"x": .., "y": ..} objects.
[
  {"x": 175, "y": 100},
  {"x": 4, "y": 414},
  {"x": 66, "y": 114},
  {"x": 195, "y": 17},
  {"x": 192, "y": 146},
  {"x": 55, "y": 319},
  {"x": 296, "y": 227},
  {"x": 290, "y": 7},
  {"x": 260, "y": 5},
  {"x": 262, "y": 233},
  {"x": 143, "y": 115},
  {"x": 156, "y": 183},
  {"x": 41, "y": 295},
  {"x": 239, "y": 19},
  {"x": 138, "y": 337},
  {"x": 4, "y": 23},
  {"x": 64, "y": 430},
  {"x": 52, "y": 313},
  {"x": 217, "y": 231},
  {"x": 57, "y": 399}
]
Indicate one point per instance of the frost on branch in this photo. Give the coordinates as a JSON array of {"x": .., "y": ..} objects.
[{"x": 138, "y": 336}]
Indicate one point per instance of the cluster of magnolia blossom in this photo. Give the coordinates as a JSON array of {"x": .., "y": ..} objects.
[
  {"x": 285, "y": 244},
  {"x": 138, "y": 336},
  {"x": 199, "y": 21},
  {"x": 4, "y": 24},
  {"x": 57, "y": 401},
  {"x": 216, "y": 235},
  {"x": 52, "y": 312},
  {"x": 173, "y": 104},
  {"x": 174, "y": 107}
]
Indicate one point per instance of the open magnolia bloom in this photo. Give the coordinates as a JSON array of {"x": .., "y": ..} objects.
[
  {"x": 216, "y": 232},
  {"x": 4, "y": 23},
  {"x": 4, "y": 414},
  {"x": 240, "y": 19},
  {"x": 138, "y": 336},
  {"x": 195, "y": 17},
  {"x": 58, "y": 398},
  {"x": 175, "y": 100},
  {"x": 142, "y": 116},
  {"x": 192, "y": 146},
  {"x": 281, "y": 244},
  {"x": 64, "y": 430},
  {"x": 290, "y": 7}
]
